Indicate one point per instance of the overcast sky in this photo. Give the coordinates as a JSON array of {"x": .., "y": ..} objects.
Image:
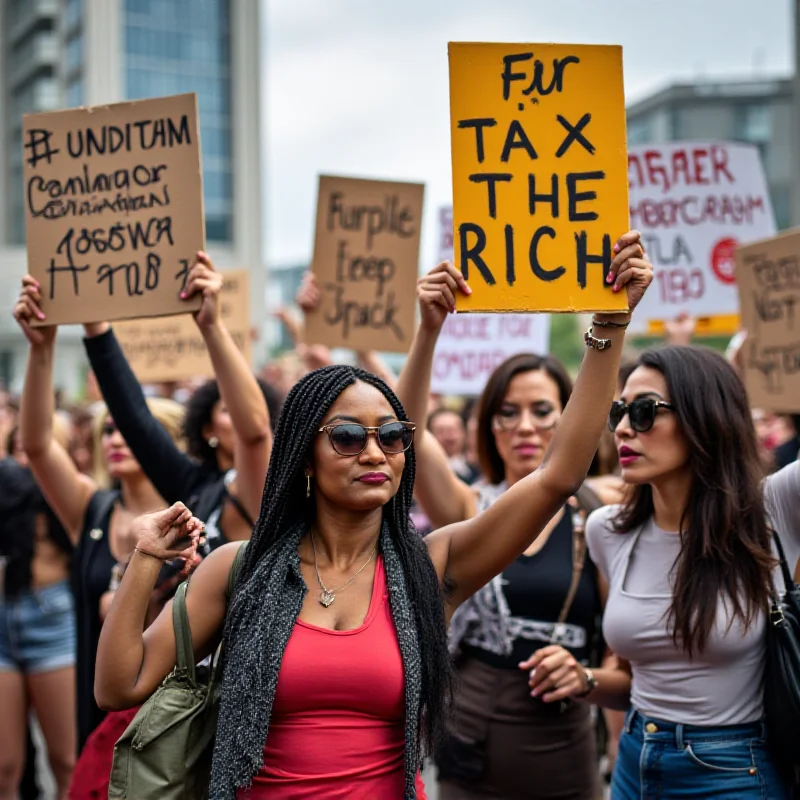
[{"x": 360, "y": 87}]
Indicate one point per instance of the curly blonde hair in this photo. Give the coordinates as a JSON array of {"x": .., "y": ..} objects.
[{"x": 168, "y": 412}]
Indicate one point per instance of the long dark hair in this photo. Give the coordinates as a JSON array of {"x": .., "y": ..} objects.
[
  {"x": 492, "y": 466},
  {"x": 284, "y": 505},
  {"x": 725, "y": 539}
]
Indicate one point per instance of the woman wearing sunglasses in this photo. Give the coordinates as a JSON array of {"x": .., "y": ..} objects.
[
  {"x": 689, "y": 559},
  {"x": 548, "y": 601},
  {"x": 336, "y": 662}
]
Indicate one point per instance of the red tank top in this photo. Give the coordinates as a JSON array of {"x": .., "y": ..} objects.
[{"x": 337, "y": 726}]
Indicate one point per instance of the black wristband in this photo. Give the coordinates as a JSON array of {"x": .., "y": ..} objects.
[{"x": 604, "y": 323}]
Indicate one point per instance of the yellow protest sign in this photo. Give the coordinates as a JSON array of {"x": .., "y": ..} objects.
[{"x": 540, "y": 186}]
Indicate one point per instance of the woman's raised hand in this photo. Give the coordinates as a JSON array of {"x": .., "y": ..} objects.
[
  {"x": 168, "y": 534},
  {"x": 437, "y": 292},
  {"x": 27, "y": 308},
  {"x": 309, "y": 295},
  {"x": 206, "y": 281},
  {"x": 630, "y": 268}
]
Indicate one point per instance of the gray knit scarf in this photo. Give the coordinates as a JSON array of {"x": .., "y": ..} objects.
[{"x": 267, "y": 606}]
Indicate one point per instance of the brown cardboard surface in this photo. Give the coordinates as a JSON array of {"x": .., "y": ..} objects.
[
  {"x": 540, "y": 174},
  {"x": 768, "y": 277},
  {"x": 114, "y": 208},
  {"x": 172, "y": 348},
  {"x": 366, "y": 258}
]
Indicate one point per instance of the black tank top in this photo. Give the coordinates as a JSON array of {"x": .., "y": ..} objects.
[{"x": 535, "y": 588}]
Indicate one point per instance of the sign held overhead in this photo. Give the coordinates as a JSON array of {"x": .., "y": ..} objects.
[
  {"x": 114, "y": 208},
  {"x": 768, "y": 278},
  {"x": 366, "y": 258},
  {"x": 540, "y": 190},
  {"x": 172, "y": 348},
  {"x": 695, "y": 203}
]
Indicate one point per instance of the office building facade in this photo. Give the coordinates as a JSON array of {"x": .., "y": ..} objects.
[
  {"x": 65, "y": 53},
  {"x": 755, "y": 111}
]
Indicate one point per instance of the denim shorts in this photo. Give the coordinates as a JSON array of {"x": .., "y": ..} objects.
[
  {"x": 660, "y": 760},
  {"x": 37, "y": 630}
]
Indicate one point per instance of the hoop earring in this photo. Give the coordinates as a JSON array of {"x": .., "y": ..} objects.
[
  {"x": 308, "y": 487},
  {"x": 213, "y": 442}
]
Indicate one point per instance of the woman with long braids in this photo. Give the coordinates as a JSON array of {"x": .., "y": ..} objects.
[
  {"x": 689, "y": 558},
  {"x": 337, "y": 674}
]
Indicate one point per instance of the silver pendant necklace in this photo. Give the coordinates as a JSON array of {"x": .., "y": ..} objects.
[{"x": 326, "y": 595}]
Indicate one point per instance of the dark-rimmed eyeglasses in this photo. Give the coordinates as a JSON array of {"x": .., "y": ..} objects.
[
  {"x": 350, "y": 438},
  {"x": 641, "y": 412},
  {"x": 543, "y": 419}
]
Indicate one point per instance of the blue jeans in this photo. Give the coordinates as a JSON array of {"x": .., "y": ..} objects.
[
  {"x": 37, "y": 630},
  {"x": 660, "y": 760}
]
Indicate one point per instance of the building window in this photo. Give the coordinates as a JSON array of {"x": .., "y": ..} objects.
[
  {"x": 782, "y": 205},
  {"x": 75, "y": 53},
  {"x": 183, "y": 46},
  {"x": 75, "y": 93},
  {"x": 73, "y": 14},
  {"x": 640, "y": 131},
  {"x": 753, "y": 123}
]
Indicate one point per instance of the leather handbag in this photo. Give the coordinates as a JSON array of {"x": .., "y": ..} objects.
[
  {"x": 165, "y": 753},
  {"x": 782, "y": 673}
]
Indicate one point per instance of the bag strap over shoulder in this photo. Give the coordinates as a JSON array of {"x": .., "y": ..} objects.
[
  {"x": 183, "y": 634},
  {"x": 788, "y": 578},
  {"x": 233, "y": 575},
  {"x": 180, "y": 618},
  {"x": 578, "y": 561}
]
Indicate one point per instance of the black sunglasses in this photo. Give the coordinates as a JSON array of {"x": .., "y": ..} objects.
[
  {"x": 350, "y": 438},
  {"x": 642, "y": 413}
]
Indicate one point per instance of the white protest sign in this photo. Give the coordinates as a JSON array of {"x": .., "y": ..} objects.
[
  {"x": 472, "y": 345},
  {"x": 695, "y": 203}
]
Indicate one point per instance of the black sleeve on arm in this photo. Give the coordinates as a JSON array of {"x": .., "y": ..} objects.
[{"x": 171, "y": 471}]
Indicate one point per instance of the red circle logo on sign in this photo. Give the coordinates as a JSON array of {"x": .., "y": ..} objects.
[{"x": 722, "y": 260}]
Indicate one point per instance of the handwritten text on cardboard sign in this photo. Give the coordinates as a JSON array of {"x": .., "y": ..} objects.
[
  {"x": 366, "y": 255},
  {"x": 114, "y": 202}
]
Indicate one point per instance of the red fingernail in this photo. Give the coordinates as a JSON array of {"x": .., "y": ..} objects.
[
  {"x": 610, "y": 277},
  {"x": 616, "y": 248},
  {"x": 616, "y": 288},
  {"x": 183, "y": 295},
  {"x": 40, "y": 315}
]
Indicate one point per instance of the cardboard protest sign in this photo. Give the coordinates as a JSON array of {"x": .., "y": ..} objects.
[
  {"x": 470, "y": 346},
  {"x": 172, "y": 349},
  {"x": 114, "y": 208},
  {"x": 768, "y": 278},
  {"x": 540, "y": 193},
  {"x": 694, "y": 203},
  {"x": 366, "y": 257}
]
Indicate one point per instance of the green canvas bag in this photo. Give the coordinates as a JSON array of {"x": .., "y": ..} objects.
[{"x": 165, "y": 753}]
